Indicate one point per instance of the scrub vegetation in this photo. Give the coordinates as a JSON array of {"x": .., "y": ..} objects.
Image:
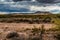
[{"x": 34, "y": 33}]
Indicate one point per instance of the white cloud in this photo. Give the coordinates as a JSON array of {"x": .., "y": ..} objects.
[
  {"x": 2, "y": 0},
  {"x": 47, "y": 8},
  {"x": 33, "y": 0},
  {"x": 4, "y": 12}
]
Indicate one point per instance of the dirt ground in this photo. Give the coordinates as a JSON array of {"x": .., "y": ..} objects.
[
  {"x": 5, "y": 28},
  {"x": 13, "y": 26}
]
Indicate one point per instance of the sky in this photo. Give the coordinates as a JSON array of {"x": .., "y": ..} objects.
[{"x": 29, "y": 6}]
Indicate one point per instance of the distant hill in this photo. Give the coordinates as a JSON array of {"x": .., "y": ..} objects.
[{"x": 36, "y": 13}]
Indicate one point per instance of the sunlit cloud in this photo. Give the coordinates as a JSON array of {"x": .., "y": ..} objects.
[{"x": 47, "y": 8}]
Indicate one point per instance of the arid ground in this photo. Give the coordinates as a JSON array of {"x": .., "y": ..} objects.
[
  {"x": 5, "y": 28},
  {"x": 21, "y": 26}
]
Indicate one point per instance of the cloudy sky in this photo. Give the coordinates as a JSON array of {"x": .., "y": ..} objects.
[{"x": 10, "y": 6}]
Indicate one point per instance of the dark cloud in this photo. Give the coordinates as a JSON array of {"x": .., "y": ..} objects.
[
  {"x": 48, "y": 1},
  {"x": 21, "y": 0},
  {"x": 17, "y": 0},
  {"x": 42, "y": 1}
]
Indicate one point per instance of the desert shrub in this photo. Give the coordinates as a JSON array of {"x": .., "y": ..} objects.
[
  {"x": 27, "y": 29},
  {"x": 57, "y": 31},
  {"x": 47, "y": 20},
  {"x": 16, "y": 36},
  {"x": 57, "y": 28},
  {"x": 57, "y": 36},
  {"x": 35, "y": 30},
  {"x": 12, "y": 35}
]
